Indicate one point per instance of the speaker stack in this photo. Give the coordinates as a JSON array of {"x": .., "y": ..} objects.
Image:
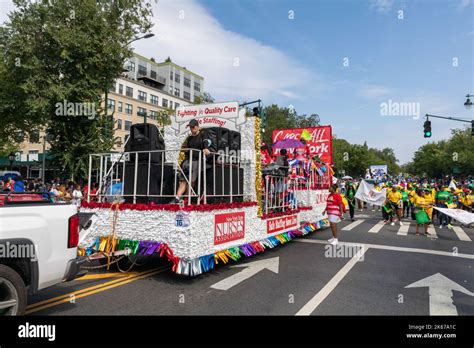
[
  {"x": 218, "y": 177},
  {"x": 147, "y": 137}
]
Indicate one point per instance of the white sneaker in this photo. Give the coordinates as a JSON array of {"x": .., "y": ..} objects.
[
  {"x": 440, "y": 226},
  {"x": 330, "y": 240},
  {"x": 334, "y": 242},
  {"x": 392, "y": 224},
  {"x": 401, "y": 223}
]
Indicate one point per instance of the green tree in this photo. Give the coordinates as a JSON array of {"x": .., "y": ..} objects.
[
  {"x": 55, "y": 51},
  {"x": 205, "y": 98},
  {"x": 276, "y": 118}
]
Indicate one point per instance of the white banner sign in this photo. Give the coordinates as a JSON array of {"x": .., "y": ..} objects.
[
  {"x": 367, "y": 193},
  {"x": 460, "y": 215},
  {"x": 226, "y": 115},
  {"x": 378, "y": 170}
]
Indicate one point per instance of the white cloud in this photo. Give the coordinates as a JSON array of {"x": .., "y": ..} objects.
[
  {"x": 464, "y": 3},
  {"x": 6, "y": 6},
  {"x": 233, "y": 66},
  {"x": 374, "y": 91},
  {"x": 381, "y": 6}
]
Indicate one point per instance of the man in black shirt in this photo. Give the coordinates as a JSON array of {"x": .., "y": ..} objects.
[{"x": 195, "y": 140}]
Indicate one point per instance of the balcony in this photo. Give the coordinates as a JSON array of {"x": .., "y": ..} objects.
[{"x": 152, "y": 79}]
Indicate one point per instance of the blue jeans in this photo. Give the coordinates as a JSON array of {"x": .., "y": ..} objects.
[{"x": 443, "y": 219}]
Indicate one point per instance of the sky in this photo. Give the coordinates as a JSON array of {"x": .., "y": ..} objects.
[{"x": 346, "y": 60}]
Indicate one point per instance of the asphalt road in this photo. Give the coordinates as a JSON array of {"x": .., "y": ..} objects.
[{"x": 368, "y": 277}]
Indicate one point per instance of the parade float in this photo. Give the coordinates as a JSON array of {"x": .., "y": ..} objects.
[{"x": 237, "y": 207}]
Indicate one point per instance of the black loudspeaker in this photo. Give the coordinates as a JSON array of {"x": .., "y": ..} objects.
[
  {"x": 221, "y": 177},
  {"x": 235, "y": 141},
  {"x": 155, "y": 182},
  {"x": 212, "y": 134},
  {"x": 145, "y": 137},
  {"x": 223, "y": 141},
  {"x": 222, "y": 138}
]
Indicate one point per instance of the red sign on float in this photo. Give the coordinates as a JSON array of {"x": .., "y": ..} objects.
[
  {"x": 229, "y": 227},
  {"x": 319, "y": 144},
  {"x": 282, "y": 223}
]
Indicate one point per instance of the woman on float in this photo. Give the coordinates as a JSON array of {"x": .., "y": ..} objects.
[{"x": 334, "y": 208}]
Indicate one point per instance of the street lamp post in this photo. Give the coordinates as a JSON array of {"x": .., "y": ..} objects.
[
  {"x": 11, "y": 158},
  {"x": 468, "y": 102}
]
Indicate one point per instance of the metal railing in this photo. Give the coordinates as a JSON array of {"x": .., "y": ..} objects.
[{"x": 114, "y": 182}]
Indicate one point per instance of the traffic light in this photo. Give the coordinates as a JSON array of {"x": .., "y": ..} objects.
[{"x": 427, "y": 129}]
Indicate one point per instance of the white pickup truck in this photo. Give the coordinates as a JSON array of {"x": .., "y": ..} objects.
[{"x": 38, "y": 247}]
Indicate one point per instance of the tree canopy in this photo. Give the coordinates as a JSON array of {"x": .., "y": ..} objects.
[{"x": 68, "y": 51}]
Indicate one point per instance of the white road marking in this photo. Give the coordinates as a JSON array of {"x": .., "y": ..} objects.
[
  {"x": 393, "y": 248},
  {"x": 461, "y": 234},
  {"x": 432, "y": 231},
  {"x": 251, "y": 268},
  {"x": 440, "y": 293},
  {"x": 377, "y": 227},
  {"x": 403, "y": 230},
  {"x": 309, "y": 307},
  {"x": 352, "y": 225}
]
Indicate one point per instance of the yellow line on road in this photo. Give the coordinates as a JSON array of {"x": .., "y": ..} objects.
[
  {"x": 35, "y": 307},
  {"x": 105, "y": 275}
]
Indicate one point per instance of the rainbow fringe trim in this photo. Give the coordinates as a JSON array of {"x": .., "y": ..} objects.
[{"x": 204, "y": 263}]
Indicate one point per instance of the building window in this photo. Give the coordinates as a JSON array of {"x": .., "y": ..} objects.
[
  {"x": 19, "y": 136},
  {"x": 164, "y": 103},
  {"x": 176, "y": 92},
  {"x": 119, "y": 123},
  {"x": 142, "y": 70},
  {"x": 142, "y": 95},
  {"x": 153, "y": 99},
  {"x": 141, "y": 112},
  {"x": 187, "y": 82},
  {"x": 112, "y": 89},
  {"x": 177, "y": 78},
  {"x": 120, "y": 107},
  {"x": 186, "y": 95},
  {"x": 128, "y": 109},
  {"x": 176, "y": 105},
  {"x": 128, "y": 124},
  {"x": 129, "y": 92},
  {"x": 153, "y": 74},
  {"x": 120, "y": 88},
  {"x": 171, "y": 76},
  {"x": 153, "y": 114},
  {"x": 34, "y": 137},
  {"x": 197, "y": 86},
  {"x": 131, "y": 66},
  {"x": 111, "y": 104},
  {"x": 171, "y": 104}
]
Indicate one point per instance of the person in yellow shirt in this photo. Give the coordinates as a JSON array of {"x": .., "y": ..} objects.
[
  {"x": 430, "y": 200},
  {"x": 394, "y": 199},
  {"x": 411, "y": 198},
  {"x": 421, "y": 211}
]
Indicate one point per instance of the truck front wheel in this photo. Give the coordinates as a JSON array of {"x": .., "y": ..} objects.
[{"x": 13, "y": 295}]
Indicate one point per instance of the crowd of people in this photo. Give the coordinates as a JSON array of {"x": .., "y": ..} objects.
[
  {"x": 413, "y": 198},
  {"x": 57, "y": 191}
]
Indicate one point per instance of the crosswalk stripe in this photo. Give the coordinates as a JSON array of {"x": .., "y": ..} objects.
[
  {"x": 352, "y": 225},
  {"x": 461, "y": 234},
  {"x": 432, "y": 231},
  {"x": 377, "y": 227},
  {"x": 403, "y": 230}
]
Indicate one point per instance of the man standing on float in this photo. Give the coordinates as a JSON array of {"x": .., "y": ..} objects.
[{"x": 196, "y": 140}]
